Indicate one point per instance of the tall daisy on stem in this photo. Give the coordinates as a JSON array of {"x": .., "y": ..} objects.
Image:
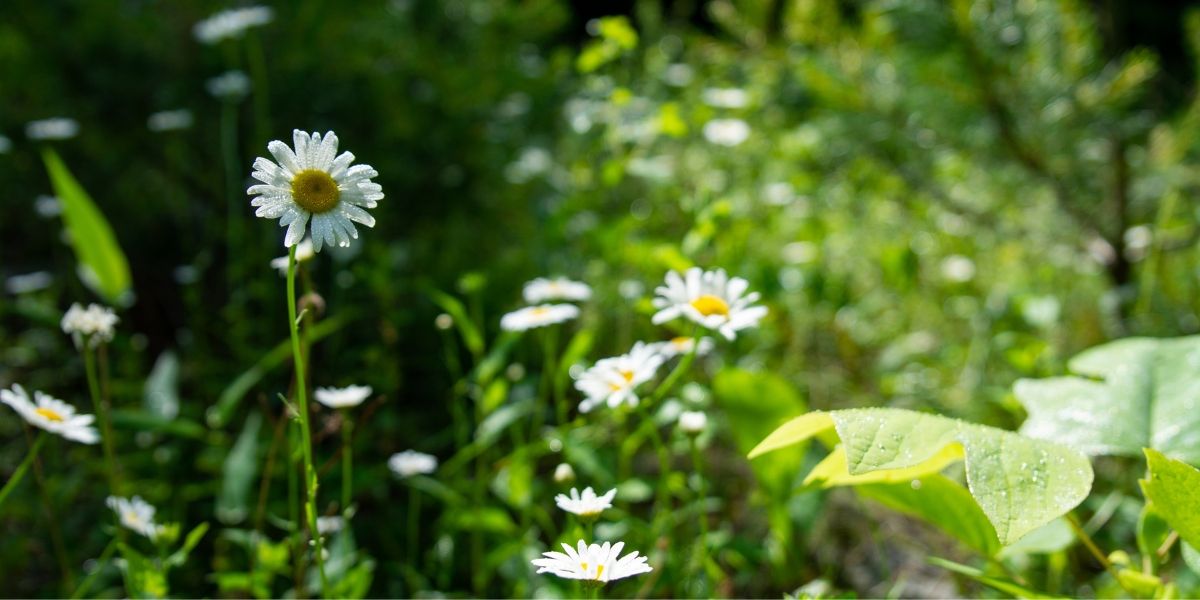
[{"x": 312, "y": 182}]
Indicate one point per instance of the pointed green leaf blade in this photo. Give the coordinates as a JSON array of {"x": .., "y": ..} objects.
[
  {"x": 1174, "y": 488},
  {"x": 103, "y": 266}
]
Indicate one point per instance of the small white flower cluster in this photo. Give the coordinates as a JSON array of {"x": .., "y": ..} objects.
[
  {"x": 411, "y": 462},
  {"x": 231, "y": 23},
  {"x": 51, "y": 414},
  {"x": 540, "y": 292},
  {"x": 135, "y": 514},
  {"x": 94, "y": 324},
  {"x": 346, "y": 397}
]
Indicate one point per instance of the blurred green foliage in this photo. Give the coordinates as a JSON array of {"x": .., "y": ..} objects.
[{"x": 934, "y": 198}]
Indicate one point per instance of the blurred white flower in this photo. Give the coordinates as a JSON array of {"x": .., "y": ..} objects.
[
  {"x": 51, "y": 414},
  {"x": 443, "y": 321},
  {"x": 533, "y": 161},
  {"x": 5, "y": 144},
  {"x": 314, "y": 182},
  {"x": 692, "y": 421},
  {"x": 779, "y": 193},
  {"x": 231, "y": 23},
  {"x": 958, "y": 268},
  {"x": 614, "y": 380},
  {"x": 47, "y": 207},
  {"x": 681, "y": 345},
  {"x": 411, "y": 462},
  {"x": 564, "y": 473},
  {"x": 342, "y": 397},
  {"x": 560, "y": 288},
  {"x": 55, "y": 128},
  {"x": 1041, "y": 311},
  {"x": 598, "y": 562},
  {"x": 678, "y": 74},
  {"x": 135, "y": 514},
  {"x": 631, "y": 289},
  {"x": 587, "y": 504},
  {"x": 94, "y": 324},
  {"x": 328, "y": 525},
  {"x": 726, "y": 132},
  {"x": 230, "y": 85},
  {"x": 725, "y": 97},
  {"x": 169, "y": 120},
  {"x": 709, "y": 298},
  {"x": 29, "y": 282},
  {"x": 304, "y": 251},
  {"x": 532, "y": 317},
  {"x": 800, "y": 252}
]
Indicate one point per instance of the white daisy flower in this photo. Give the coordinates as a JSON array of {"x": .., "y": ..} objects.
[
  {"x": 342, "y": 397},
  {"x": 231, "y": 23},
  {"x": 314, "y": 182},
  {"x": 614, "y": 380},
  {"x": 169, "y": 120},
  {"x": 411, "y": 462},
  {"x": 564, "y": 473},
  {"x": 725, "y": 97},
  {"x": 136, "y": 515},
  {"x": 55, "y": 128},
  {"x": 726, "y": 132},
  {"x": 600, "y": 563},
  {"x": 532, "y": 317},
  {"x": 51, "y": 414},
  {"x": 304, "y": 251},
  {"x": 692, "y": 421},
  {"x": 679, "y": 346},
  {"x": 94, "y": 324},
  {"x": 560, "y": 288},
  {"x": 230, "y": 85},
  {"x": 587, "y": 504},
  {"x": 709, "y": 298}
]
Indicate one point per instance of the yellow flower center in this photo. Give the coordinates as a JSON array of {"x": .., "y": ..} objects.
[
  {"x": 131, "y": 518},
  {"x": 315, "y": 191},
  {"x": 628, "y": 375},
  {"x": 50, "y": 415},
  {"x": 539, "y": 311},
  {"x": 599, "y": 571},
  {"x": 709, "y": 305},
  {"x": 681, "y": 343}
]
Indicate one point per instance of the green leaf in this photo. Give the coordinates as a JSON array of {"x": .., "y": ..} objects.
[
  {"x": 137, "y": 420},
  {"x": 1174, "y": 488},
  {"x": 755, "y": 404},
  {"x": 161, "y": 393},
  {"x": 501, "y": 419},
  {"x": 939, "y": 501},
  {"x": 1052, "y": 537},
  {"x": 238, "y": 473},
  {"x": 103, "y": 266},
  {"x": 1132, "y": 394},
  {"x": 487, "y": 519},
  {"x": 1019, "y": 483},
  {"x": 1191, "y": 557},
  {"x": 179, "y": 557}
]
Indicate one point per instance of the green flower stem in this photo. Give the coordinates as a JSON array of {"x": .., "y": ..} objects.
[
  {"x": 293, "y": 483},
  {"x": 1097, "y": 553},
  {"x": 414, "y": 524},
  {"x": 101, "y": 408},
  {"x": 19, "y": 474},
  {"x": 701, "y": 499},
  {"x": 347, "y": 459},
  {"x": 52, "y": 521},
  {"x": 669, "y": 383},
  {"x": 310, "y": 475}
]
